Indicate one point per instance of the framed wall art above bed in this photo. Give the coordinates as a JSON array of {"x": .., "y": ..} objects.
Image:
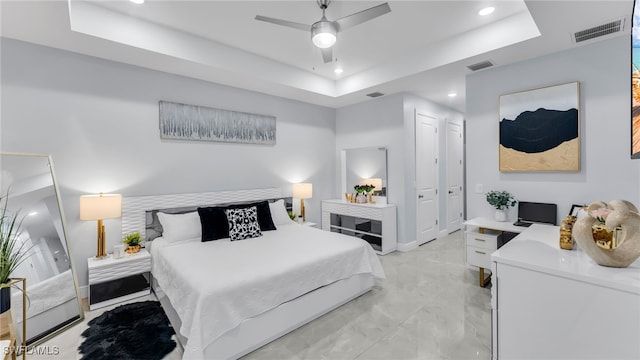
[
  {"x": 540, "y": 129},
  {"x": 191, "y": 122}
]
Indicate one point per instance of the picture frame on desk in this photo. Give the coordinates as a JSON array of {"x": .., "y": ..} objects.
[{"x": 575, "y": 209}]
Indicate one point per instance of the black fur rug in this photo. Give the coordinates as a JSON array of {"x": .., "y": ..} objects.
[{"x": 139, "y": 331}]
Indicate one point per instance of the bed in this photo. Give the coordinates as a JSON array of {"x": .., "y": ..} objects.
[
  {"x": 227, "y": 298},
  {"x": 51, "y": 304}
]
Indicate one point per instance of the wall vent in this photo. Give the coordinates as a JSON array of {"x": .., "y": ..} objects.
[
  {"x": 480, "y": 65},
  {"x": 600, "y": 30},
  {"x": 375, "y": 94}
]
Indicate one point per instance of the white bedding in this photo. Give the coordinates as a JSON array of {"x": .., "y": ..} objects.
[
  {"x": 45, "y": 295},
  {"x": 215, "y": 285}
]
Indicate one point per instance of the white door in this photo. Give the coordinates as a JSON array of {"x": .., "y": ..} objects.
[
  {"x": 454, "y": 176},
  {"x": 426, "y": 177}
]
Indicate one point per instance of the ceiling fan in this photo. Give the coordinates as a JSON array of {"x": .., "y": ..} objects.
[{"x": 323, "y": 32}]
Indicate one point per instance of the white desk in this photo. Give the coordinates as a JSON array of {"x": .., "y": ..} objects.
[
  {"x": 550, "y": 303},
  {"x": 481, "y": 239},
  {"x": 487, "y": 223}
]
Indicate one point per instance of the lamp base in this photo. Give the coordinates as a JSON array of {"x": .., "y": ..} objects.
[{"x": 102, "y": 247}]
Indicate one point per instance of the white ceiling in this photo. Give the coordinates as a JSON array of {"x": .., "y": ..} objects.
[{"x": 421, "y": 47}]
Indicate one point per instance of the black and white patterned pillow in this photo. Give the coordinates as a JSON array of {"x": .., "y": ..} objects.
[{"x": 243, "y": 223}]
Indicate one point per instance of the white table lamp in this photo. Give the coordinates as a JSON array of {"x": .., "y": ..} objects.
[
  {"x": 302, "y": 191},
  {"x": 100, "y": 207}
]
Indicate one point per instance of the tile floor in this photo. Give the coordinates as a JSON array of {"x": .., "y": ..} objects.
[{"x": 429, "y": 307}]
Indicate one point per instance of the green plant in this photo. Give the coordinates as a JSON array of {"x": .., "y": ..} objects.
[
  {"x": 500, "y": 199},
  {"x": 363, "y": 188},
  {"x": 12, "y": 251},
  {"x": 292, "y": 215},
  {"x": 132, "y": 239}
]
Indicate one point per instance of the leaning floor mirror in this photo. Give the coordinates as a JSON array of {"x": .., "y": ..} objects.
[{"x": 53, "y": 304}]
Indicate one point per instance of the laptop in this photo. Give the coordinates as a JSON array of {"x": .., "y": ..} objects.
[{"x": 533, "y": 212}]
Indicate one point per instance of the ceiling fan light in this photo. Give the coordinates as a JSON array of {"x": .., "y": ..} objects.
[
  {"x": 323, "y": 34},
  {"x": 324, "y": 40}
]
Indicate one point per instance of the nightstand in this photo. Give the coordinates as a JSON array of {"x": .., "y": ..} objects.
[
  {"x": 310, "y": 224},
  {"x": 114, "y": 280}
]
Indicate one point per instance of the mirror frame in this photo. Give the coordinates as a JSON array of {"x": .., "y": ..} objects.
[
  {"x": 343, "y": 169},
  {"x": 61, "y": 328}
]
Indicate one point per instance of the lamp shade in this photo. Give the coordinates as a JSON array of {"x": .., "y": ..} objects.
[
  {"x": 99, "y": 207},
  {"x": 303, "y": 191}
]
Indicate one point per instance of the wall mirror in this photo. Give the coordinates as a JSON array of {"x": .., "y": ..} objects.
[
  {"x": 364, "y": 165},
  {"x": 53, "y": 303}
]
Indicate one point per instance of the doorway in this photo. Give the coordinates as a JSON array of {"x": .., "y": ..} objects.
[
  {"x": 426, "y": 176},
  {"x": 455, "y": 168}
]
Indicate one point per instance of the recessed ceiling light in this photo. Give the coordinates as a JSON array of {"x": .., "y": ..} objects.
[
  {"x": 486, "y": 11},
  {"x": 452, "y": 94},
  {"x": 137, "y": 1},
  {"x": 338, "y": 70}
]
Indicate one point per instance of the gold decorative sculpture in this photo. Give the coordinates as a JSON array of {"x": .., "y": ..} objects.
[
  {"x": 617, "y": 213},
  {"x": 566, "y": 229}
]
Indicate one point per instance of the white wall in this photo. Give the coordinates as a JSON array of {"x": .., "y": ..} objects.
[
  {"x": 389, "y": 121},
  {"x": 99, "y": 120},
  {"x": 606, "y": 170}
]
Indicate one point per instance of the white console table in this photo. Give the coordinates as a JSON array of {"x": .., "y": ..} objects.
[
  {"x": 374, "y": 223},
  {"x": 481, "y": 239},
  {"x": 550, "y": 303}
]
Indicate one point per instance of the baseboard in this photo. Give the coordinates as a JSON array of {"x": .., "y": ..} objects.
[{"x": 404, "y": 247}]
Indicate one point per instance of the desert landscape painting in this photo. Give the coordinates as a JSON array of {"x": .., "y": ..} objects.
[{"x": 540, "y": 129}]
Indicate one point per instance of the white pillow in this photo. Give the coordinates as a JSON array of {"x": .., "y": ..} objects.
[
  {"x": 180, "y": 227},
  {"x": 279, "y": 213}
]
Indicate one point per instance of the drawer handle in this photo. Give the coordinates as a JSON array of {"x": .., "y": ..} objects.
[
  {"x": 480, "y": 252},
  {"x": 483, "y": 240}
]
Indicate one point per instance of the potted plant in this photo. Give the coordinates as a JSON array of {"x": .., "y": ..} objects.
[
  {"x": 292, "y": 215},
  {"x": 501, "y": 200},
  {"x": 133, "y": 242},
  {"x": 12, "y": 252}
]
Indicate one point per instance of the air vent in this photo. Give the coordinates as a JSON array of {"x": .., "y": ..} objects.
[
  {"x": 375, "y": 94},
  {"x": 600, "y": 30},
  {"x": 480, "y": 65}
]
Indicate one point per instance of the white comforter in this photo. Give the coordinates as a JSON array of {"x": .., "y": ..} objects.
[{"x": 216, "y": 285}]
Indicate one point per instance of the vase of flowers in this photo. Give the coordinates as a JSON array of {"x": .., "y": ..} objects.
[
  {"x": 501, "y": 200},
  {"x": 361, "y": 197},
  {"x": 604, "y": 238}
]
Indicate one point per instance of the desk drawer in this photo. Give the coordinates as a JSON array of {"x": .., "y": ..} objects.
[
  {"x": 479, "y": 257},
  {"x": 488, "y": 240}
]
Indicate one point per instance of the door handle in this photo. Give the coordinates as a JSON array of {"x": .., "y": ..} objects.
[
  {"x": 420, "y": 196},
  {"x": 450, "y": 192}
]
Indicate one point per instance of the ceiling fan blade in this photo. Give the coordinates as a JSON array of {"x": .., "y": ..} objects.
[
  {"x": 286, "y": 23},
  {"x": 327, "y": 55},
  {"x": 362, "y": 16}
]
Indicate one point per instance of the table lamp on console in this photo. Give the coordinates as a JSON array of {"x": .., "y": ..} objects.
[
  {"x": 302, "y": 191},
  {"x": 100, "y": 207}
]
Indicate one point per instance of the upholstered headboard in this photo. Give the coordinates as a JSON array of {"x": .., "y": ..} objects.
[{"x": 139, "y": 212}]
